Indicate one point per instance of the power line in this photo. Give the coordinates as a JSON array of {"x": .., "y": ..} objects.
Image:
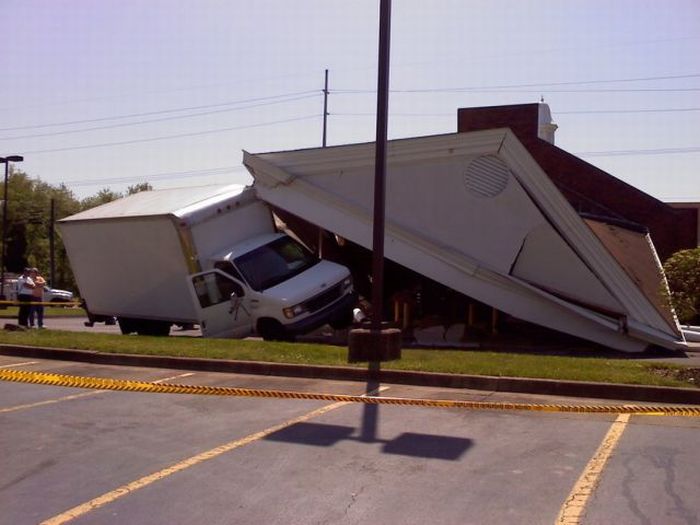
[
  {"x": 160, "y": 112},
  {"x": 508, "y": 90},
  {"x": 618, "y": 153},
  {"x": 220, "y": 170},
  {"x": 580, "y": 82},
  {"x": 162, "y": 119},
  {"x": 606, "y": 111},
  {"x": 506, "y": 87},
  {"x": 167, "y": 137},
  {"x": 579, "y": 112}
]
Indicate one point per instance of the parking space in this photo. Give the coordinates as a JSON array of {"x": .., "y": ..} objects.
[{"x": 117, "y": 457}]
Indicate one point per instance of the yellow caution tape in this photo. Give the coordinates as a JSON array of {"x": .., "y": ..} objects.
[
  {"x": 57, "y": 304},
  {"x": 99, "y": 383}
]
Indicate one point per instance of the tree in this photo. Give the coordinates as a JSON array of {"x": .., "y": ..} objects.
[
  {"x": 136, "y": 188},
  {"x": 29, "y": 223},
  {"x": 683, "y": 275},
  {"x": 103, "y": 196}
]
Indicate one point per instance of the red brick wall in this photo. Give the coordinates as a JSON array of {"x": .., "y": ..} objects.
[{"x": 587, "y": 188}]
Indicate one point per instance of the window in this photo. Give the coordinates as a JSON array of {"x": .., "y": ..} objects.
[
  {"x": 274, "y": 263},
  {"x": 229, "y": 268},
  {"x": 214, "y": 288}
]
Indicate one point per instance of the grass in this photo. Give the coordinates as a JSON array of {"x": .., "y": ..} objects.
[
  {"x": 49, "y": 311},
  {"x": 598, "y": 369}
]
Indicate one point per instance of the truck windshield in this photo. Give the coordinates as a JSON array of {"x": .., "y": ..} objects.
[{"x": 274, "y": 263}]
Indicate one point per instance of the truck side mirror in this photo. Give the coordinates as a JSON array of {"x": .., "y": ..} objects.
[{"x": 235, "y": 304}]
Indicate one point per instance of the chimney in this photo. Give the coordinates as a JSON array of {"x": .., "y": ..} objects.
[{"x": 545, "y": 126}]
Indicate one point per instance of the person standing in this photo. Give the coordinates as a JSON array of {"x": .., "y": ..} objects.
[
  {"x": 25, "y": 287},
  {"x": 36, "y": 311}
]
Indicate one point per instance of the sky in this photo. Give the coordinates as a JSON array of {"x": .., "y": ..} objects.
[{"x": 111, "y": 93}]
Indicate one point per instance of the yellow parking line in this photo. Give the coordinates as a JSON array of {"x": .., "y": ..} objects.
[
  {"x": 25, "y": 363},
  {"x": 127, "y": 489},
  {"x": 179, "y": 376},
  {"x": 574, "y": 507},
  {"x": 51, "y": 401}
]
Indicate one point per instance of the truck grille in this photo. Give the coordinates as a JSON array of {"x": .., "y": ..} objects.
[{"x": 323, "y": 299}]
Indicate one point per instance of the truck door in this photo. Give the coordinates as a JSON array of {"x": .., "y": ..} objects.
[{"x": 222, "y": 304}]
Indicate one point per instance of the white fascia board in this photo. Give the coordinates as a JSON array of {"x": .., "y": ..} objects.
[
  {"x": 415, "y": 149},
  {"x": 580, "y": 238},
  {"x": 635, "y": 328}
]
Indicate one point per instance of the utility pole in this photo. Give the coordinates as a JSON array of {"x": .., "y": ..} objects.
[
  {"x": 52, "y": 251},
  {"x": 325, "y": 109},
  {"x": 323, "y": 143}
]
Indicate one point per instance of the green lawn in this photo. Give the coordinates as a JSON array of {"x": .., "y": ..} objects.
[{"x": 608, "y": 370}]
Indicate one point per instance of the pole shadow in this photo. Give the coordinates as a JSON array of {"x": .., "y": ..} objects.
[{"x": 428, "y": 446}]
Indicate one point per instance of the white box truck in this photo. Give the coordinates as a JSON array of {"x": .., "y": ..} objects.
[{"x": 209, "y": 255}]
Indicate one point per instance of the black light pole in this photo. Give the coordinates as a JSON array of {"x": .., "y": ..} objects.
[
  {"x": 380, "y": 164},
  {"x": 3, "y": 253},
  {"x": 378, "y": 342}
]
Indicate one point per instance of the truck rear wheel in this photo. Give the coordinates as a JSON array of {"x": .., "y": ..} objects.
[
  {"x": 126, "y": 325},
  {"x": 154, "y": 328},
  {"x": 143, "y": 327}
]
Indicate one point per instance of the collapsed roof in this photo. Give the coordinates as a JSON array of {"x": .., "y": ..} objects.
[{"x": 475, "y": 212}]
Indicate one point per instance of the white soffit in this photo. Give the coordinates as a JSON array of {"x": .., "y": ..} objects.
[{"x": 460, "y": 209}]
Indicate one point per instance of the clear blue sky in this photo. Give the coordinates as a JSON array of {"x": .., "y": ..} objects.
[{"x": 110, "y": 93}]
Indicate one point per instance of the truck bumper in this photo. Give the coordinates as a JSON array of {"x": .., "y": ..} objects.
[{"x": 334, "y": 311}]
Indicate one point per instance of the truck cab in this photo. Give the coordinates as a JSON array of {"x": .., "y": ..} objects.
[{"x": 273, "y": 286}]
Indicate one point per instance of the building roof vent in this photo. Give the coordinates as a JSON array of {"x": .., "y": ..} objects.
[{"x": 486, "y": 176}]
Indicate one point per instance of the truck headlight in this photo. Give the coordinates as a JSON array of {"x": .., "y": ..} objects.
[
  {"x": 347, "y": 282},
  {"x": 293, "y": 311}
]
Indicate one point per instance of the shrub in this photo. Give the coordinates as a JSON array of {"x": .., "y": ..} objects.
[{"x": 683, "y": 275}]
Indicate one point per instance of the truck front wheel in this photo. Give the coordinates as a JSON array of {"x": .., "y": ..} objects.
[{"x": 272, "y": 330}]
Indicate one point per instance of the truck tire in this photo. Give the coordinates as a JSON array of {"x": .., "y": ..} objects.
[
  {"x": 143, "y": 327},
  {"x": 272, "y": 330},
  {"x": 343, "y": 321},
  {"x": 126, "y": 325},
  {"x": 153, "y": 328}
]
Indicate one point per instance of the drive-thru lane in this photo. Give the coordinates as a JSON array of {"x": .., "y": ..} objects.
[{"x": 348, "y": 464}]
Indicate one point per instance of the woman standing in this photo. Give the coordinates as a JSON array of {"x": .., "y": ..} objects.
[{"x": 37, "y": 310}]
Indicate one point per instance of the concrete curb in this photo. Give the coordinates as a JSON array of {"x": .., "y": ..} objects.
[{"x": 688, "y": 396}]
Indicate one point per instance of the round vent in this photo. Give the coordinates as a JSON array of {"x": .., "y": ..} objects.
[{"x": 486, "y": 176}]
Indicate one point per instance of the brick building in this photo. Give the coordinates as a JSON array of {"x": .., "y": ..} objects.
[{"x": 589, "y": 189}]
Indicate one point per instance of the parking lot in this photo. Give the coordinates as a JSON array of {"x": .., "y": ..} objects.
[{"x": 91, "y": 456}]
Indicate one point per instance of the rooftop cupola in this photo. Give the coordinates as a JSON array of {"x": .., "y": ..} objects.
[{"x": 545, "y": 126}]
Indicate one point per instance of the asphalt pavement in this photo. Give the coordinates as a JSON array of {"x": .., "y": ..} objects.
[{"x": 90, "y": 456}]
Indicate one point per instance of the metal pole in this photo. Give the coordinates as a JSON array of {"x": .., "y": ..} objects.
[
  {"x": 325, "y": 109},
  {"x": 380, "y": 164},
  {"x": 325, "y": 128},
  {"x": 4, "y": 231},
  {"x": 52, "y": 245}
]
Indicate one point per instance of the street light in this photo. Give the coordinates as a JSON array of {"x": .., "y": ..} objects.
[{"x": 6, "y": 161}]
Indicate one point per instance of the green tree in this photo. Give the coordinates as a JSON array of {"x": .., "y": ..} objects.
[
  {"x": 136, "y": 188},
  {"x": 29, "y": 224},
  {"x": 103, "y": 196},
  {"x": 683, "y": 274}
]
